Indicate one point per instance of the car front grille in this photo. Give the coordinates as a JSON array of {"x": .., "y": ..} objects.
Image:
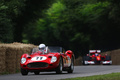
[{"x": 37, "y": 65}]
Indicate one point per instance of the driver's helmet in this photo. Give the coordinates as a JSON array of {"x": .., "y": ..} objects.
[
  {"x": 42, "y": 47},
  {"x": 96, "y": 54}
]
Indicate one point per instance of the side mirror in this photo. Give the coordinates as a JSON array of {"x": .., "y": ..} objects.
[{"x": 68, "y": 52}]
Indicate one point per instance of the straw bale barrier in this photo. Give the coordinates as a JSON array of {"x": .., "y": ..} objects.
[
  {"x": 78, "y": 61},
  {"x": 10, "y": 56},
  {"x": 2, "y": 59}
]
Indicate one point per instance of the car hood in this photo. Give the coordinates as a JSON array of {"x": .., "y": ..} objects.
[{"x": 41, "y": 57}]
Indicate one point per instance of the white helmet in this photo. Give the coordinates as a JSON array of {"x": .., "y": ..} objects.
[{"x": 42, "y": 46}]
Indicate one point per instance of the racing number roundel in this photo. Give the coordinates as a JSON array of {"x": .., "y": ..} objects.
[{"x": 38, "y": 58}]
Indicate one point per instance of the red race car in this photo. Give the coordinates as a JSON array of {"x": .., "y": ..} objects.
[
  {"x": 50, "y": 59},
  {"x": 94, "y": 57}
]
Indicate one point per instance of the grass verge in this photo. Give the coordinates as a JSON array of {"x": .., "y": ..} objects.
[{"x": 112, "y": 76}]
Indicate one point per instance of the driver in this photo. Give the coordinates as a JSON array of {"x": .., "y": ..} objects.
[
  {"x": 41, "y": 47},
  {"x": 96, "y": 54}
]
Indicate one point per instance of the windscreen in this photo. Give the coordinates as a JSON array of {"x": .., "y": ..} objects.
[
  {"x": 55, "y": 49},
  {"x": 48, "y": 49},
  {"x": 35, "y": 50}
]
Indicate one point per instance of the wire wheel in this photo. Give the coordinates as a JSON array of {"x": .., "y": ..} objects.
[{"x": 60, "y": 67}]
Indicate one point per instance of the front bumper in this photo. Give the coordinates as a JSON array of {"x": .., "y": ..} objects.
[
  {"x": 101, "y": 62},
  {"x": 40, "y": 66},
  {"x": 106, "y": 62},
  {"x": 89, "y": 62}
]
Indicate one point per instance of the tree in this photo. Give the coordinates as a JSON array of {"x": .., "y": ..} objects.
[
  {"x": 77, "y": 25},
  {"x": 8, "y": 10},
  {"x": 31, "y": 12},
  {"x": 16, "y": 14}
]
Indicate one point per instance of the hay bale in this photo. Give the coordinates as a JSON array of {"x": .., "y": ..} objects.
[
  {"x": 11, "y": 59},
  {"x": 78, "y": 61},
  {"x": 2, "y": 59},
  {"x": 115, "y": 55},
  {"x": 18, "y": 55},
  {"x": 10, "y": 56}
]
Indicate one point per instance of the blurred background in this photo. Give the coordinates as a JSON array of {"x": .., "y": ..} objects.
[{"x": 78, "y": 25}]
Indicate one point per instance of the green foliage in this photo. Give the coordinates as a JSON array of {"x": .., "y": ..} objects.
[
  {"x": 81, "y": 23},
  {"x": 92, "y": 16},
  {"x": 94, "y": 9},
  {"x": 16, "y": 14},
  {"x": 48, "y": 27},
  {"x": 6, "y": 34},
  {"x": 8, "y": 9},
  {"x": 32, "y": 12},
  {"x": 78, "y": 25}
]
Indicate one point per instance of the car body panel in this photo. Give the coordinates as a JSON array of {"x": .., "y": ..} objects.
[
  {"x": 94, "y": 57},
  {"x": 42, "y": 62}
]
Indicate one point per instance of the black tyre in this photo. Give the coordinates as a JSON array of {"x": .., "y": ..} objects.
[
  {"x": 36, "y": 73},
  {"x": 71, "y": 68},
  {"x": 24, "y": 72},
  {"x": 86, "y": 58},
  {"x": 108, "y": 58},
  {"x": 102, "y": 58},
  {"x": 60, "y": 67}
]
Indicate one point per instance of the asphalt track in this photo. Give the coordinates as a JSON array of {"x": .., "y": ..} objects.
[{"x": 79, "y": 71}]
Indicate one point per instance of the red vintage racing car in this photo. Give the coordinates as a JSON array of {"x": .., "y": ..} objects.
[
  {"x": 94, "y": 57},
  {"x": 51, "y": 59}
]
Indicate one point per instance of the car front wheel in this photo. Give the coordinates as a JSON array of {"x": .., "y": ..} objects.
[
  {"x": 24, "y": 72},
  {"x": 36, "y": 73},
  {"x": 60, "y": 67}
]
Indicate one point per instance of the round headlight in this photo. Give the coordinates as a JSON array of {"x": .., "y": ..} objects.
[
  {"x": 23, "y": 60},
  {"x": 53, "y": 59}
]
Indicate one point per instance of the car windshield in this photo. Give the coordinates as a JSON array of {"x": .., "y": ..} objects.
[
  {"x": 48, "y": 49},
  {"x": 55, "y": 49},
  {"x": 35, "y": 50}
]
